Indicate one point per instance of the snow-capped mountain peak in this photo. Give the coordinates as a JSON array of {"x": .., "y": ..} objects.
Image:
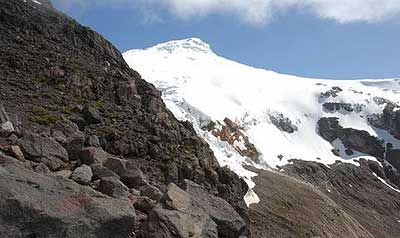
[
  {"x": 188, "y": 47},
  {"x": 259, "y": 117}
]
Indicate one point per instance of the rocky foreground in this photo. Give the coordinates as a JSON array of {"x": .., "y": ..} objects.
[{"x": 87, "y": 147}]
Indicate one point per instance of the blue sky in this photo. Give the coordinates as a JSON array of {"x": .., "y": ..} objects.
[{"x": 296, "y": 37}]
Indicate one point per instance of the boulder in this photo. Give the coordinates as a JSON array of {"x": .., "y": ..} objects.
[
  {"x": 67, "y": 133},
  {"x": 112, "y": 187},
  {"x": 100, "y": 172},
  {"x": 91, "y": 115},
  {"x": 94, "y": 155},
  {"x": 229, "y": 222},
  {"x": 17, "y": 153},
  {"x": 130, "y": 174},
  {"x": 151, "y": 192},
  {"x": 47, "y": 150},
  {"x": 133, "y": 177},
  {"x": 34, "y": 205},
  {"x": 92, "y": 141},
  {"x": 181, "y": 217},
  {"x": 142, "y": 203},
  {"x": 82, "y": 175},
  {"x": 41, "y": 168}
]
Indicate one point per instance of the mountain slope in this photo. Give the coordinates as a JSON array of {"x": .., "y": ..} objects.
[
  {"x": 342, "y": 133},
  {"x": 88, "y": 148}
]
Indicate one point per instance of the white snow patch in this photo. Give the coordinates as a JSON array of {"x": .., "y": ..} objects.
[{"x": 384, "y": 182}]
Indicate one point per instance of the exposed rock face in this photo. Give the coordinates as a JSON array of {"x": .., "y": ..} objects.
[
  {"x": 352, "y": 139},
  {"x": 70, "y": 88},
  {"x": 389, "y": 120},
  {"x": 342, "y": 107},
  {"x": 33, "y": 205},
  {"x": 193, "y": 213},
  {"x": 330, "y": 93},
  {"x": 234, "y": 135},
  {"x": 283, "y": 123}
]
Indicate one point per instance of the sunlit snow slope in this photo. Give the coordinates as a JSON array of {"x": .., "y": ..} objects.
[{"x": 200, "y": 86}]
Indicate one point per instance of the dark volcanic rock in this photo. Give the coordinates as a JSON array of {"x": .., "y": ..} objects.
[
  {"x": 229, "y": 223},
  {"x": 43, "y": 149},
  {"x": 113, "y": 187},
  {"x": 52, "y": 68},
  {"x": 352, "y": 139},
  {"x": 389, "y": 120},
  {"x": 393, "y": 157},
  {"x": 181, "y": 217},
  {"x": 33, "y": 205}
]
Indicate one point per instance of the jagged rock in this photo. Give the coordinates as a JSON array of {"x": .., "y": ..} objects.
[
  {"x": 126, "y": 92},
  {"x": 142, "y": 203},
  {"x": 352, "y": 139},
  {"x": 94, "y": 155},
  {"x": 334, "y": 106},
  {"x": 100, "y": 171},
  {"x": 116, "y": 165},
  {"x": 182, "y": 217},
  {"x": 393, "y": 157},
  {"x": 33, "y": 205},
  {"x": 41, "y": 168},
  {"x": 131, "y": 176},
  {"x": 82, "y": 175},
  {"x": 17, "y": 153},
  {"x": 151, "y": 192},
  {"x": 92, "y": 141},
  {"x": 43, "y": 149},
  {"x": 67, "y": 133},
  {"x": 229, "y": 223},
  {"x": 234, "y": 135},
  {"x": 112, "y": 187},
  {"x": 282, "y": 123},
  {"x": 333, "y": 92},
  {"x": 91, "y": 115},
  {"x": 389, "y": 120}
]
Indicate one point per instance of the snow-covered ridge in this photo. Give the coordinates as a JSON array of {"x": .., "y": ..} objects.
[
  {"x": 188, "y": 46},
  {"x": 279, "y": 113}
]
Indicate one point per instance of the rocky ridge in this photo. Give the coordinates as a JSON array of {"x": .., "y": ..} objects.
[{"x": 84, "y": 132}]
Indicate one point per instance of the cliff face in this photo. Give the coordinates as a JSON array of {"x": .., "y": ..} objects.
[{"x": 65, "y": 88}]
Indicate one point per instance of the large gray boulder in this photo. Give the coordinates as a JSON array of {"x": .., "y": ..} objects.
[
  {"x": 181, "y": 217},
  {"x": 67, "y": 133},
  {"x": 47, "y": 150},
  {"x": 34, "y": 205},
  {"x": 230, "y": 223}
]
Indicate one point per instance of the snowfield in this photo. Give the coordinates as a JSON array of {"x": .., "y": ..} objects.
[{"x": 200, "y": 86}]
